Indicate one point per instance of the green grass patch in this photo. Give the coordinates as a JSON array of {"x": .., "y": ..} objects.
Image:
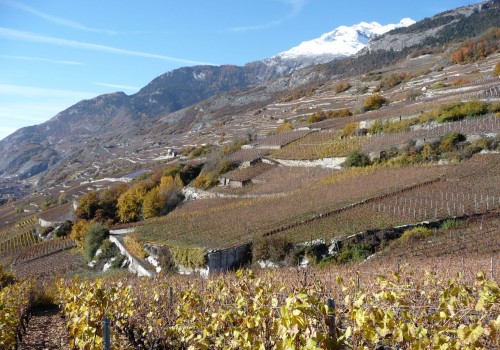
[{"x": 450, "y": 224}]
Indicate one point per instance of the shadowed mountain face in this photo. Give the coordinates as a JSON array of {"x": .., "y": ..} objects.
[
  {"x": 118, "y": 114},
  {"x": 186, "y": 98},
  {"x": 31, "y": 150}
]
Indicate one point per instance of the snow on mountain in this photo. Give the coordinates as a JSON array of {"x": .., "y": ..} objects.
[{"x": 342, "y": 41}]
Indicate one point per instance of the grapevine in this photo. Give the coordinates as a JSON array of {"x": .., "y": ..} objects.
[
  {"x": 250, "y": 310},
  {"x": 15, "y": 301}
]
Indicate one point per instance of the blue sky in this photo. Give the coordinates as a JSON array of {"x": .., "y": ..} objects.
[{"x": 56, "y": 53}]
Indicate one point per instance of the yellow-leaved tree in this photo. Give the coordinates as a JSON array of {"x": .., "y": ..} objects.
[
  {"x": 78, "y": 231},
  {"x": 130, "y": 203},
  {"x": 160, "y": 199}
]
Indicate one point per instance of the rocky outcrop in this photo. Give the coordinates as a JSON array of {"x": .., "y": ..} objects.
[{"x": 462, "y": 22}]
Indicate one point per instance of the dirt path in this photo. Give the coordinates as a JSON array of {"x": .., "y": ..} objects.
[{"x": 46, "y": 331}]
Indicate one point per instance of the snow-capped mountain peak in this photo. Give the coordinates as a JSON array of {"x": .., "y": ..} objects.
[{"x": 342, "y": 41}]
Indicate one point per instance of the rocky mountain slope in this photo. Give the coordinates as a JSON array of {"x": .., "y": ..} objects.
[
  {"x": 170, "y": 103},
  {"x": 32, "y": 150},
  {"x": 466, "y": 21},
  {"x": 461, "y": 23}
]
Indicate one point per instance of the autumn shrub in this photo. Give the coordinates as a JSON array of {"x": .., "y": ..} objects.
[
  {"x": 198, "y": 152},
  {"x": 235, "y": 146},
  {"x": 374, "y": 102},
  {"x": 377, "y": 127},
  {"x": 165, "y": 260},
  {"x": 483, "y": 143},
  {"x": 100, "y": 206},
  {"x": 450, "y": 141},
  {"x": 162, "y": 198},
  {"x": 316, "y": 117},
  {"x": 415, "y": 233},
  {"x": 362, "y": 90},
  {"x": 458, "y": 111},
  {"x": 494, "y": 107},
  {"x": 109, "y": 250},
  {"x": 284, "y": 127},
  {"x": 356, "y": 159},
  {"x": 349, "y": 129},
  {"x": 323, "y": 115},
  {"x": 173, "y": 170},
  {"x": 439, "y": 85},
  {"x": 475, "y": 50},
  {"x": 341, "y": 113},
  {"x": 273, "y": 248},
  {"x": 496, "y": 72},
  {"x": 391, "y": 81},
  {"x": 47, "y": 203},
  {"x": 153, "y": 203},
  {"x": 398, "y": 126},
  {"x": 341, "y": 87},
  {"x": 206, "y": 180}
]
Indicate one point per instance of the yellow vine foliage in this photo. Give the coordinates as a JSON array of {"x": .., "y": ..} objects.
[
  {"x": 246, "y": 311},
  {"x": 134, "y": 247}
]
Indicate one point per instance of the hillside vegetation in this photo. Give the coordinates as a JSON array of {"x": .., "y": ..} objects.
[{"x": 370, "y": 187}]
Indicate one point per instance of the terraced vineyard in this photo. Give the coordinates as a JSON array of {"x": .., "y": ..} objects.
[
  {"x": 48, "y": 266},
  {"x": 278, "y": 181},
  {"x": 485, "y": 125},
  {"x": 464, "y": 191},
  {"x": 475, "y": 236},
  {"x": 319, "y": 145},
  {"x": 218, "y": 223},
  {"x": 42, "y": 249},
  {"x": 19, "y": 236}
]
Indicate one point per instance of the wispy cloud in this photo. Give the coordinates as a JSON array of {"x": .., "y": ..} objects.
[
  {"x": 29, "y": 113},
  {"x": 118, "y": 86},
  {"x": 33, "y": 91},
  {"x": 57, "y": 20},
  {"x": 39, "y": 38},
  {"x": 41, "y": 59},
  {"x": 295, "y": 8}
]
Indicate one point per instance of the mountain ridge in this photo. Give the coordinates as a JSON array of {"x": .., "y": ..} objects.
[{"x": 188, "y": 98}]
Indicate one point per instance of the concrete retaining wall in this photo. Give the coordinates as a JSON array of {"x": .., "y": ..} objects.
[
  {"x": 44, "y": 223},
  {"x": 218, "y": 260},
  {"x": 225, "y": 259},
  {"x": 331, "y": 163},
  {"x": 135, "y": 265}
]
